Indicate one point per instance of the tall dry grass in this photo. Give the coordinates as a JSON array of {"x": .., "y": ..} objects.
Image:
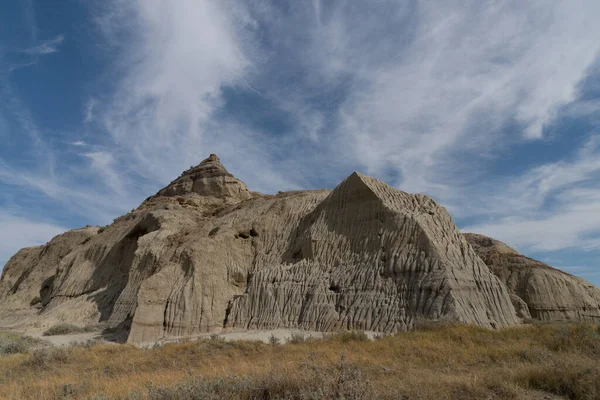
[{"x": 441, "y": 362}]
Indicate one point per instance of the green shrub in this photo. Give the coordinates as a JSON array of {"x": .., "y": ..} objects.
[
  {"x": 41, "y": 358},
  {"x": 65, "y": 329},
  {"x": 296, "y": 338},
  {"x": 274, "y": 340},
  {"x": 13, "y": 343}
]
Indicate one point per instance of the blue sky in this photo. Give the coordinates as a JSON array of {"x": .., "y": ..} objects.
[{"x": 490, "y": 107}]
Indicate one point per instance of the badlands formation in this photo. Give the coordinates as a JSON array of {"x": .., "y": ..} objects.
[{"x": 205, "y": 254}]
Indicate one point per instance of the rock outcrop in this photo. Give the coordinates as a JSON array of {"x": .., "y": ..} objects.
[
  {"x": 209, "y": 178},
  {"x": 27, "y": 277},
  {"x": 537, "y": 290},
  {"x": 205, "y": 254}
]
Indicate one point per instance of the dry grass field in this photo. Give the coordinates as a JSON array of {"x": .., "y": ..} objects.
[{"x": 435, "y": 362}]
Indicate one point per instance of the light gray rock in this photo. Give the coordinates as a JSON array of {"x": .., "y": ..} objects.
[
  {"x": 539, "y": 291},
  {"x": 27, "y": 277},
  {"x": 206, "y": 255},
  {"x": 209, "y": 178}
]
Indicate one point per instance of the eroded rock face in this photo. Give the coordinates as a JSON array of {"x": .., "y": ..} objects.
[
  {"x": 539, "y": 291},
  {"x": 370, "y": 257},
  {"x": 27, "y": 277},
  {"x": 205, "y": 254},
  {"x": 209, "y": 178}
]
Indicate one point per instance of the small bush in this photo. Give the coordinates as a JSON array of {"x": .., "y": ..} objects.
[
  {"x": 274, "y": 340},
  {"x": 573, "y": 380},
  {"x": 13, "y": 343},
  {"x": 296, "y": 338},
  {"x": 102, "y": 228},
  {"x": 41, "y": 358},
  {"x": 216, "y": 338},
  {"x": 65, "y": 329},
  {"x": 70, "y": 391}
]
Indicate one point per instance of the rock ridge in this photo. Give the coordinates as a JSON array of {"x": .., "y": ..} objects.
[
  {"x": 206, "y": 255},
  {"x": 538, "y": 291}
]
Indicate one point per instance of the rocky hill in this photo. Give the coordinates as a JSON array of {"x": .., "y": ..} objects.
[
  {"x": 205, "y": 255},
  {"x": 537, "y": 290}
]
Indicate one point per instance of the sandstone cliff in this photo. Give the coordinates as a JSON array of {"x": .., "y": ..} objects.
[
  {"x": 206, "y": 254},
  {"x": 538, "y": 291}
]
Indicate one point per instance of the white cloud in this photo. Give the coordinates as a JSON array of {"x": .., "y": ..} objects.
[
  {"x": 89, "y": 110},
  {"x": 551, "y": 207},
  {"x": 81, "y": 190},
  {"x": 166, "y": 112},
  {"x": 17, "y": 232},
  {"x": 181, "y": 55},
  {"x": 454, "y": 80},
  {"x": 46, "y": 47},
  {"x": 103, "y": 164},
  {"x": 418, "y": 93}
]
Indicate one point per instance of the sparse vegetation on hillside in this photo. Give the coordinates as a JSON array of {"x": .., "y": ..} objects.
[
  {"x": 65, "y": 329},
  {"x": 441, "y": 362},
  {"x": 14, "y": 343}
]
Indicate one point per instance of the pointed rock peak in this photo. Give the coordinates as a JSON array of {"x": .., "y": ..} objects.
[
  {"x": 213, "y": 157},
  {"x": 356, "y": 187},
  {"x": 209, "y": 166},
  {"x": 209, "y": 178}
]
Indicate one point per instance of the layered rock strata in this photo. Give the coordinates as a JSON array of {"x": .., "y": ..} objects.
[{"x": 537, "y": 290}]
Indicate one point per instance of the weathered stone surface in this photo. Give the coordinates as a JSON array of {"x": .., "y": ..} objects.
[
  {"x": 371, "y": 257},
  {"x": 539, "y": 291},
  {"x": 209, "y": 178},
  {"x": 27, "y": 277},
  {"x": 205, "y": 254}
]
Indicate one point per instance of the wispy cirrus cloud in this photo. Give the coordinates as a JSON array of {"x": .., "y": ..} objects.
[
  {"x": 426, "y": 95},
  {"x": 46, "y": 47},
  {"x": 89, "y": 110},
  {"x": 460, "y": 76},
  {"x": 551, "y": 207}
]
